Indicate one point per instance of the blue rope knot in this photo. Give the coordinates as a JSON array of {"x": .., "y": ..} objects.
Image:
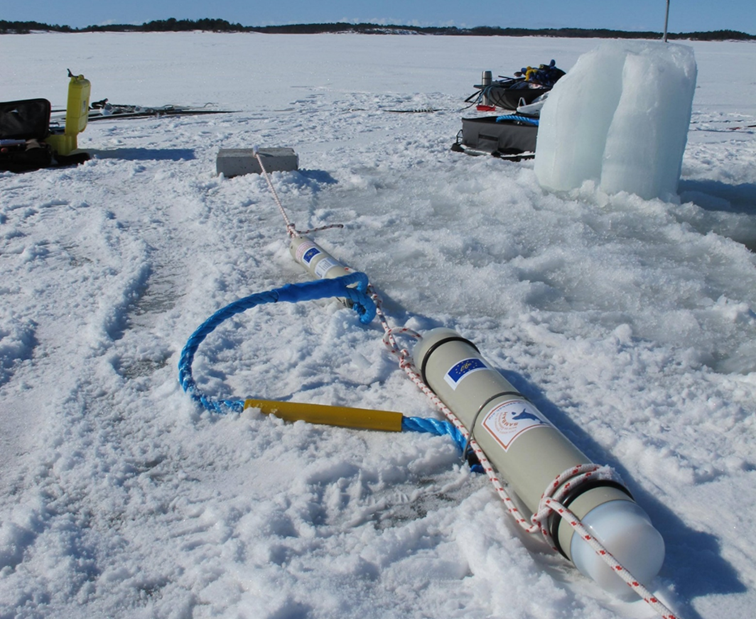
[{"x": 352, "y": 287}]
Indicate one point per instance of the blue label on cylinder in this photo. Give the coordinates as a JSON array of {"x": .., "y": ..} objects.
[
  {"x": 459, "y": 370},
  {"x": 310, "y": 254}
]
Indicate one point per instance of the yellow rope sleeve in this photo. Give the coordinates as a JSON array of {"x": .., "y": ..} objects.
[{"x": 330, "y": 415}]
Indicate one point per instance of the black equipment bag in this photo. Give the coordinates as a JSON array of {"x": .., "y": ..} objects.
[
  {"x": 512, "y": 98},
  {"x": 25, "y": 120},
  {"x": 24, "y": 155},
  {"x": 24, "y": 125},
  {"x": 500, "y": 138}
]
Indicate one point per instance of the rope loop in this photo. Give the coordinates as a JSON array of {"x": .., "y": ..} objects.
[
  {"x": 319, "y": 229},
  {"x": 390, "y": 333},
  {"x": 551, "y": 504},
  {"x": 563, "y": 484},
  {"x": 353, "y": 287}
]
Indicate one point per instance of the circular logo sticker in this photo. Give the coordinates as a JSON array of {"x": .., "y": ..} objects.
[{"x": 509, "y": 420}]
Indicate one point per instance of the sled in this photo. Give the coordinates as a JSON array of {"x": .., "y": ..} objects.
[{"x": 507, "y": 139}]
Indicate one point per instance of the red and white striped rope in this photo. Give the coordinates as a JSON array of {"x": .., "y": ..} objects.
[
  {"x": 550, "y": 500},
  {"x": 661, "y": 609},
  {"x": 291, "y": 229},
  {"x": 406, "y": 364}
]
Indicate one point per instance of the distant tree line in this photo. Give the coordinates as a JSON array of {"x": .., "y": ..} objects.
[{"x": 221, "y": 25}]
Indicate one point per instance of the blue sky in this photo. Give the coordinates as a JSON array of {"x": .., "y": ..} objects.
[{"x": 685, "y": 15}]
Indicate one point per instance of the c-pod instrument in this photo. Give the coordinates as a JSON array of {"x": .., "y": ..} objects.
[{"x": 530, "y": 453}]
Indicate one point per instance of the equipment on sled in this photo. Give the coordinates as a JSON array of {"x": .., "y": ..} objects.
[
  {"x": 511, "y": 135},
  {"x": 28, "y": 142},
  {"x": 24, "y": 125},
  {"x": 507, "y": 93},
  {"x": 104, "y": 110},
  {"x": 533, "y": 108}
]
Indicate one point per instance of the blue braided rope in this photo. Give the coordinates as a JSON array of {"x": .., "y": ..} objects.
[
  {"x": 352, "y": 287},
  {"x": 435, "y": 427},
  {"x": 440, "y": 428},
  {"x": 523, "y": 119}
]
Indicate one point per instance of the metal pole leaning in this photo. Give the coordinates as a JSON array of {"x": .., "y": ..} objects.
[{"x": 666, "y": 22}]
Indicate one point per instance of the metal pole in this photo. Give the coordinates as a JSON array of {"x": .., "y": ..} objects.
[{"x": 666, "y": 23}]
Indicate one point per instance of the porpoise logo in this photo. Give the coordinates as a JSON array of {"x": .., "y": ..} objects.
[
  {"x": 464, "y": 368},
  {"x": 509, "y": 420}
]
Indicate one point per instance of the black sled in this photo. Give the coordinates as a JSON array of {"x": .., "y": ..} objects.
[{"x": 506, "y": 139}]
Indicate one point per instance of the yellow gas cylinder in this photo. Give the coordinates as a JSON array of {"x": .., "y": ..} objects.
[
  {"x": 77, "y": 109},
  {"x": 77, "y": 114}
]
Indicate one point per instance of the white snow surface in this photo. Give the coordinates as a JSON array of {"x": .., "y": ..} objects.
[{"x": 630, "y": 323}]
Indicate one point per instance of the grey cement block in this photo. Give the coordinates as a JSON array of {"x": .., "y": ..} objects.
[{"x": 238, "y": 161}]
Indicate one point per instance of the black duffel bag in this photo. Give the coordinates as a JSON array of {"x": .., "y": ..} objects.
[
  {"x": 25, "y": 120},
  {"x": 23, "y": 127}
]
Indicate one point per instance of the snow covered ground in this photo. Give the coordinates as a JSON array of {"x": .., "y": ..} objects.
[{"x": 630, "y": 323}]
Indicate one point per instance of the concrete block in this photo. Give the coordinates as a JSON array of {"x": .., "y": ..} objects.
[{"x": 238, "y": 161}]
